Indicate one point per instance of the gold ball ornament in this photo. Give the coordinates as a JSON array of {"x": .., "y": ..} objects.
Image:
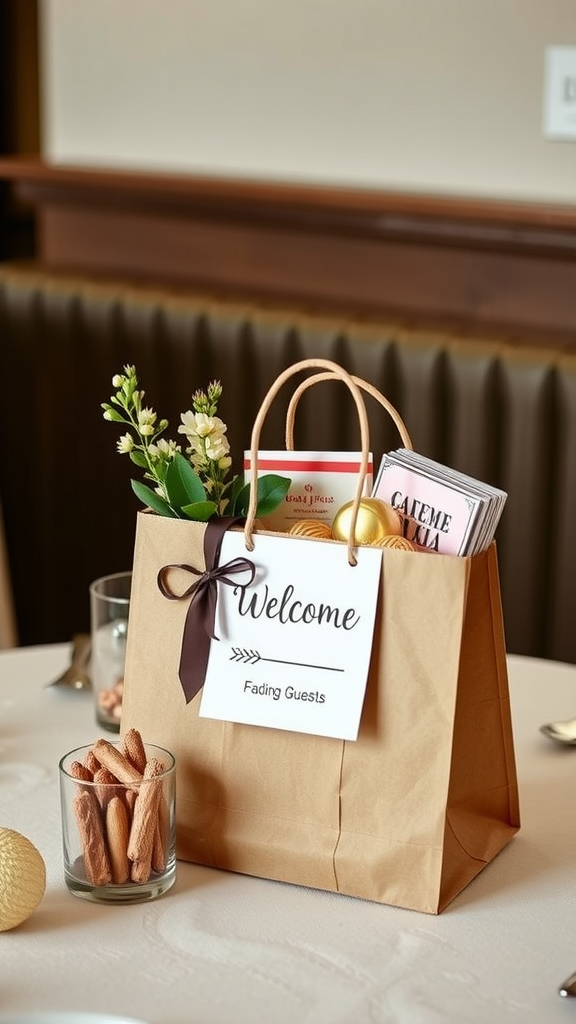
[
  {"x": 22, "y": 879},
  {"x": 376, "y": 520},
  {"x": 311, "y": 528}
]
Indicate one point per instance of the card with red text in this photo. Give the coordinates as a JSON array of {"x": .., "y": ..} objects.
[
  {"x": 294, "y": 648},
  {"x": 321, "y": 482}
]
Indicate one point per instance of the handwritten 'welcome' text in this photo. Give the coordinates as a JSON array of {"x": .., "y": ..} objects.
[{"x": 286, "y": 609}]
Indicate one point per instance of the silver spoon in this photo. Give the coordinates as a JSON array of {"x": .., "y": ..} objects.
[
  {"x": 76, "y": 675},
  {"x": 568, "y": 988},
  {"x": 562, "y": 732}
]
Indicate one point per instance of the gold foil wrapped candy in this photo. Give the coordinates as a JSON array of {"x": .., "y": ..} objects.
[
  {"x": 311, "y": 528},
  {"x": 376, "y": 520},
  {"x": 401, "y": 543}
]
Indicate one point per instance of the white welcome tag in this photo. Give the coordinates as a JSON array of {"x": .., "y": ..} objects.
[{"x": 294, "y": 647}]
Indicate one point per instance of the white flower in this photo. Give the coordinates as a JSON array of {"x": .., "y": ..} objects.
[
  {"x": 205, "y": 425},
  {"x": 188, "y": 426},
  {"x": 163, "y": 449},
  {"x": 198, "y": 424},
  {"x": 216, "y": 447},
  {"x": 196, "y": 449},
  {"x": 125, "y": 444},
  {"x": 146, "y": 421}
]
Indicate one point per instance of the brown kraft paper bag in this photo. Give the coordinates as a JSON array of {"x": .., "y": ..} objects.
[{"x": 410, "y": 812}]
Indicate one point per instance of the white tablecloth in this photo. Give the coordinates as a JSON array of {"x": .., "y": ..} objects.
[{"x": 227, "y": 949}]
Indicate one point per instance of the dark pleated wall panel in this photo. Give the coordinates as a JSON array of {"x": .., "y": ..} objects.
[
  {"x": 527, "y": 470},
  {"x": 504, "y": 414},
  {"x": 559, "y": 520},
  {"x": 473, "y": 429},
  {"x": 421, "y": 397}
]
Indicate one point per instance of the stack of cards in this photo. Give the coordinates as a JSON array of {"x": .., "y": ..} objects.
[{"x": 442, "y": 510}]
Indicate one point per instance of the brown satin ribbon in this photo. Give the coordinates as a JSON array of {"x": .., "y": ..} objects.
[{"x": 203, "y": 593}]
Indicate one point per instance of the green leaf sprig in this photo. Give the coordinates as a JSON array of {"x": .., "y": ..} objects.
[{"x": 195, "y": 487}]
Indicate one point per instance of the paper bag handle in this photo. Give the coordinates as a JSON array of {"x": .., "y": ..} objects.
[
  {"x": 369, "y": 388},
  {"x": 336, "y": 371}
]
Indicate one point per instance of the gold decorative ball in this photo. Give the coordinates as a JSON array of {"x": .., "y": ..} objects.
[
  {"x": 401, "y": 543},
  {"x": 376, "y": 520},
  {"x": 22, "y": 878},
  {"x": 311, "y": 528}
]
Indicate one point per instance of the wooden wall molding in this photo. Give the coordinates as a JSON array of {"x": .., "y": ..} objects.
[{"x": 481, "y": 266}]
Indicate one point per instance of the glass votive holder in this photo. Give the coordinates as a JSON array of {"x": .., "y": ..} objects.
[
  {"x": 118, "y": 823},
  {"x": 109, "y": 608}
]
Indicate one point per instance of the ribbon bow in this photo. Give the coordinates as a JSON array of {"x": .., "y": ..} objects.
[{"x": 203, "y": 593}]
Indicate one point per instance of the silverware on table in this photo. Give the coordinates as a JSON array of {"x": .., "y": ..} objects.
[
  {"x": 568, "y": 988},
  {"x": 77, "y": 676},
  {"x": 561, "y": 732}
]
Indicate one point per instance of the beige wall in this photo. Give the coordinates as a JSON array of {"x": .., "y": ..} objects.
[{"x": 421, "y": 95}]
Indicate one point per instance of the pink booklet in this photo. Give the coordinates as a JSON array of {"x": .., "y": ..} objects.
[
  {"x": 442, "y": 509},
  {"x": 321, "y": 483}
]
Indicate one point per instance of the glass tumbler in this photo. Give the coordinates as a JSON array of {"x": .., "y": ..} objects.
[
  {"x": 117, "y": 829},
  {"x": 109, "y": 606}
]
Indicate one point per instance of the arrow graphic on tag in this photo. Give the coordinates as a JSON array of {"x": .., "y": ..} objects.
[
  {"x": 247, "y": 657},
  {"x": 250, "y": 657}
]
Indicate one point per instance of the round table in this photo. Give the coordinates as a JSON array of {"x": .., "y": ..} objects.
[{"x": 221, "y": 948}]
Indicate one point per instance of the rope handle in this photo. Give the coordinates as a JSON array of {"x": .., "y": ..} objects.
[
  {"x": 331, "y": 370},
  {"x": 369, "y": 388}
]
